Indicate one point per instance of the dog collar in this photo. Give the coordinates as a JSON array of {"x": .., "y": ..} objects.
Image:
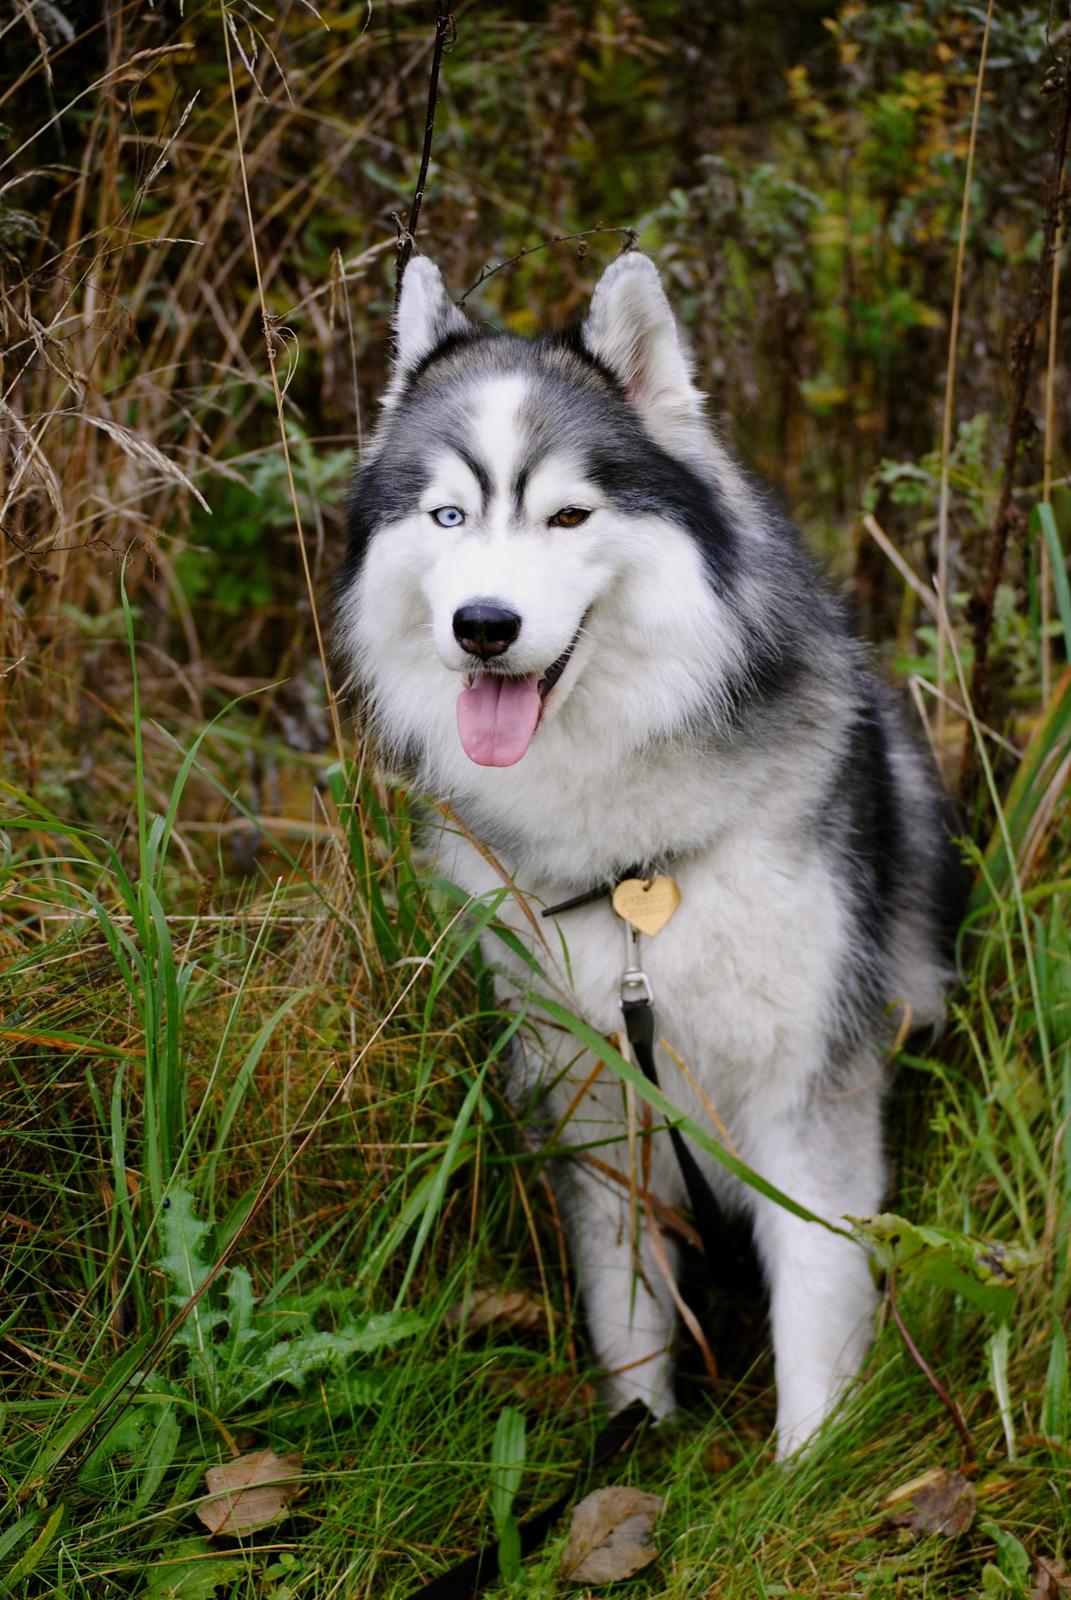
[{"x": 603, "y": 891}]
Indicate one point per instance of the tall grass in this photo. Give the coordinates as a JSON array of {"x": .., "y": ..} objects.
[{"x": 246, "y": 1200}]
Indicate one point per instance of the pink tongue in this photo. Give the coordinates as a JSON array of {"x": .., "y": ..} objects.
[{"x": 497, "y": 717}]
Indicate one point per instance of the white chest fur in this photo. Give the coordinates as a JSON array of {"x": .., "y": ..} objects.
[{"x": 744, "y": 974}]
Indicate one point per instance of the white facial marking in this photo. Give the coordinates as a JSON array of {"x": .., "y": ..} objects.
[{"x": 498, "y": 436}]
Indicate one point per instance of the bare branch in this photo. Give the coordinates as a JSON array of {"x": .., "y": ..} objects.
[{"x": 445, "y": 34}]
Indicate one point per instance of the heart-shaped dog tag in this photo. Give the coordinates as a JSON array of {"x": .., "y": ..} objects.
[{"x": 647, "y": 903}]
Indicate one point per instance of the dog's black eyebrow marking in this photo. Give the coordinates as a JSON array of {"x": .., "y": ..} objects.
[
  {"x": 478, "y": 470},
  {"x": 520, "y": 484}
]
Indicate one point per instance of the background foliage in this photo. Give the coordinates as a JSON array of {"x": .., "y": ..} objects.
[{"x": 250, "y": 1052}]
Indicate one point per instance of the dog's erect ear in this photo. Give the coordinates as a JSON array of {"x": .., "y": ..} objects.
[
  {"x": 631, "y": 329},
  {"x": 426, "y": 316}
]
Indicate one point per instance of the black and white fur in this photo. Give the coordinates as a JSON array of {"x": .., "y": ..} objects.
[{"x": 716, "y": 719}]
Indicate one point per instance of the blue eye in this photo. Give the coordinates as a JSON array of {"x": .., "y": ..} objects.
[{"x": 449, "y": 516}]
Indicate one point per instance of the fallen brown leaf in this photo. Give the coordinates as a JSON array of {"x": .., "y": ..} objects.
[
  {"x": 1051, "y": 1580},
  {"x": 610, "y": 1535},
  {"x": 511, "y": 1310},
  {"x": 248, "y": 1493},
  {"x": 939, "y": 1502}
]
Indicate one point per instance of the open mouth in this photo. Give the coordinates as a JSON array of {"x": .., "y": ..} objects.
[{"x": 497, "y": 715}]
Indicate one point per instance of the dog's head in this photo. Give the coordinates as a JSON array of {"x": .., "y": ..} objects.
[{"x": 538, "y": 524}]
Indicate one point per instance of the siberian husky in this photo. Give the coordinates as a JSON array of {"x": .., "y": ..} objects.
[{"x": 574, "y": 619}]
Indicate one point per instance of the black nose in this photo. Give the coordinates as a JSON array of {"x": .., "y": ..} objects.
[{"x": 484, "y": 629}]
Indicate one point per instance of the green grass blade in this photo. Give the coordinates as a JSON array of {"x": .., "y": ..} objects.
[
  {"x": 1043, "y": 520},
  {"x": 507, "y": 1466},
  {"x": 32, "y": 1557},
  {"x": 631, "y": 1074},
  {"x": 436, "y": 1188},
  {"x": 997, "y": 1363},
  {"x": 89, "y": 1413},
  {"x": 240, "y": 1086},
  {"x": 1055, "y": 1406}
]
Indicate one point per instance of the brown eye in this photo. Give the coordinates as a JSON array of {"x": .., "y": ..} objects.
[{"x": 569, "y": 517}]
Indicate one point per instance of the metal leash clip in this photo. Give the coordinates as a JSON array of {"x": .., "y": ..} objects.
[{"x": 635, "y": 984}]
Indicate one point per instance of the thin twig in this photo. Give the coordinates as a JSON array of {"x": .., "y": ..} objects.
[
  {"x": 983, "y": 600},
  {"x": 546, "y": 244},
  {"x": 1050, "y": 441},
  {"x": 445, "y": 32},
  {"x": 931, "y": 1377}
]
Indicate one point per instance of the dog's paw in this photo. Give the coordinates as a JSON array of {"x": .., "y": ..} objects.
[{"x": 619, "y": 1392}]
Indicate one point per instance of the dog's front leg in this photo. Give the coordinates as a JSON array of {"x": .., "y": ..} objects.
[
  {"x": 627, "y": 1301},
  {"x": 822, "y": 1295},
  {"x": 622, "y": 1276}
]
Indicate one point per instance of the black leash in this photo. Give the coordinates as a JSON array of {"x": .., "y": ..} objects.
[
  {"x": 637, "y": 1009},
  {"x": 468, "y": 1577},
  {"x": 475, "y": 1572},
  {"x": 706, "y": 1212}
]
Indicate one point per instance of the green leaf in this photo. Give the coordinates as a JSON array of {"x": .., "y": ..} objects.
[
  {"x": 182, "y": 1234},
  {"x": 995, "y": 1585},
  {"x": 983, "y": 1271},
  {"x": 32, "y": 1557},
  {"x": 1014, "y": 1562},
  {"x": 158, "y": 1454},
  {"x": 507, "y": 1461},
  {"x": 191, "y": 1571},
  {"x": 184, "y": 1265},
  {"x": 507, "y": 1465},
  {"x": 127, "y": 1436},
  {"x": 294, "y": 1360}
]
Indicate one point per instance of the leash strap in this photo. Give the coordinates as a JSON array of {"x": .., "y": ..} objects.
[
  {"x": 640, "y": 1028},
  {"x": 637, "y": 1010},
  {"x": 475, "y": 1572}
]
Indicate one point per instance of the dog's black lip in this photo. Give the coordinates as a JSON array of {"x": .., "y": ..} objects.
[{"x": 555, "y": 670}]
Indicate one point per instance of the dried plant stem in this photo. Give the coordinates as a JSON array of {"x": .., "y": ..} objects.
[
  {"x": 983, "y": 599},
  {"x": 950, "y": 388},
  {"x": 444, "y": 29},
  {"x": 927, "y": 596},
  {"x": 269, "y": 343},
  {"x": 1050, "y": 440},
  {"x": 931, "y": 1377}
]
